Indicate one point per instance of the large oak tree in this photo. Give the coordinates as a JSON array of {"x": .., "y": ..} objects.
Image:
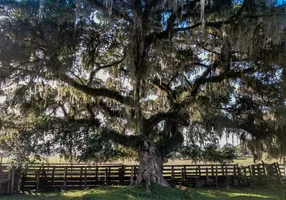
[{"x": 107, "y": 78}]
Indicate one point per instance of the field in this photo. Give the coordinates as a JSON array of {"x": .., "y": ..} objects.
[
  {"x": 159, "y": 193},
  {"x": 248, "y": 160},
  {"x": 244, "y": 161}
]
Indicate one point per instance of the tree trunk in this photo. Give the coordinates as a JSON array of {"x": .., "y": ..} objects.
[{"x": 150, "y": 166}]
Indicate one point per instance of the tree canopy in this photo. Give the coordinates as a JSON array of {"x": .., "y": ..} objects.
[{"x": 93, "y": 79}]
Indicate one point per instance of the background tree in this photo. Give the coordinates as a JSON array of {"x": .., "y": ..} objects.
[{"x": 172, "y": 67}]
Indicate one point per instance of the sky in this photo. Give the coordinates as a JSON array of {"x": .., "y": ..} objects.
[{"x": 2, "y": 99}]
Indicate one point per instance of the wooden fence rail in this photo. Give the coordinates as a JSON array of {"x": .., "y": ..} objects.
[{"x": 49, "y": 177}]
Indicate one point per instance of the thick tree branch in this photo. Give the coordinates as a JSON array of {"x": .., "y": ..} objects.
[
  {"x": 78, "y": 78},
  {"x": 165, "y": 88},
  {"x": 89, "y": 109},
  {"x": 150, "y": 39},
  {"x": 95, "y": 122},
  {"x": 97, "y": 92},
  {"x": 100, "y": 67},
  {"x": 173, "y": 78},
  {"x": 126, "y": 140},
  {"x": 174, "y": 116},
  {"x": 202, "y": 79},
  {"x": 228, "y": 75},
  {"x": 63, "y": 109},
  {"x": 166, "y": 34},
  {"x": 111, "y": 112}
]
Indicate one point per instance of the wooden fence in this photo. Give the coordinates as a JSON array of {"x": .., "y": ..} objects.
[
  {"x": 9, "y": 180},
  {"x": 51, "y": 177}
]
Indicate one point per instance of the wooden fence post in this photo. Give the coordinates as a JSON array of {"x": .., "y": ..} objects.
[
  {"x": 65, "y": 178},
  {"x": 216, "y": 177},
  {"x": 131, "y": 175},
  {"x": 185, "y": 174},
  {"x": 23, "y": 179},
  {"x": 38, "y": 180},
  {"x": 277, "y": 169},
  {"x": 53, "y": 176},
  {"x": 121, "y": 175},
  {"x": 227, "y": 176},
  {"x": 9, "y": 183},
  {"x": 207, "y": 175},
  {"x": 264, "y": 170},
  {"x": 135, "y": 172},
  {"x": 235, "y": 170},
  {"x": 12, "y": 180},
  {"x": 85, "y": 174},
  {"x": 239, "y": 174},
  {"x": 258, "y": 169},
  {"x": 252, "y": 170},
  {"x": 183, "y": 178},
  {"x": 96, "y": 174},
  {"x": 80, "y": 181},
  {"x": 172, "y": 175},
  {"x": 106, "y": 176},
  {"x": 284, "y": 168}
]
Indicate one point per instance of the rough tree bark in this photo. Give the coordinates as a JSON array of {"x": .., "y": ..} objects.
[{"x": 150, "y": 165}]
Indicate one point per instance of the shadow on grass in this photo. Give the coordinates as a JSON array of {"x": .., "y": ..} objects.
[
  {"x": 136, "y": 193},
  {"x": 106, "y": 193},
  {"x": 157, "y": 193}
]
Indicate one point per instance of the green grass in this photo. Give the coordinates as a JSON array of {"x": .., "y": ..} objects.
[
  {"x": 271, "y": 193},
  {"x": 159, "y": 193},
  {"x": 107, "y": 193}
]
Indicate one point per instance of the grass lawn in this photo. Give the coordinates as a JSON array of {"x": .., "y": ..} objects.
[
  {"x": 107, "y": 193},
  {"x": 158, "y": 193},
  {"x": 273, "y": 193}
]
